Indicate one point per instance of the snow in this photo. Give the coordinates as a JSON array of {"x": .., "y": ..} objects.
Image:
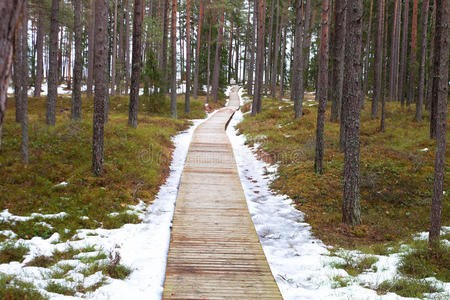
[
  {"x": 424, "y": 149},
  {"x": 300, "y": 263},
  {"x": 143, "y": 247}
]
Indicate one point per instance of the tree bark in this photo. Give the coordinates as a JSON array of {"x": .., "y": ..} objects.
[
  {"x": 39, "y": 54},
  {"x": 216, "y": 70},
  {"x": 423, "y": 55},
  {"x": 17, "y": 76},
  {"x": 173, "y": 61},
  {"x": 269, "y": 44},
  {"x": 208, "y": 70},
  {"x": 309, "y": 21},
  {"x": 127, "y": 47},
  {"x": 366, "y": 56},
  {"x": 136, "y": 63},
  {"x": 378, "y": 63},
  {"x": 279, "y": 25},
  {"x": 440, "y": 94},
  {"x": 101, "y": 84},
  {"x": 91, "y": 40},
  {"x": 197, "y": 53},
  {"x": 393, "y": 77},
  {"x": 114, "y": 51},
  {"x": 75, "y": 112},
  {"x": 404, "y": 50},
  {"x": 338, "y": 57},
  {"x": 322, "y": 88},
  {"x": 187, "y": 102},
  {"x": 24, "y": 85},
  {"x": 297, "y": 67},
  {"x": 259, "y": 72},
  {"x": 352, "y": 100},
  {"x": 431, "y": 59},
  {"x": 251, "y": 66},
  {"x": 53, "y": 64},
  {"x": 230, "y": 52},
  {"x": 283, "y": 59},
  {"x": 385, "y": 75},
  {"x": 413, "y": 59},
  {"x": 163, "y": 57}
]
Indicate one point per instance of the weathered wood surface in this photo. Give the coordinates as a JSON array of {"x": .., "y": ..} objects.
[{"x": 214, "y": 249}]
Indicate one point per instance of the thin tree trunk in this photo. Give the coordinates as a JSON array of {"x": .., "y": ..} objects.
[
  {"x": 269, "y": 44},
  {"x": 216, "y": 71},
  {"x": 230, "y": 52},
  {"x": 208, "y": 71},
  {"x": 297, "y": 67},
  {"x": 39, "y": 54},
  {"x": 127, "y": 47},
  {"x": 136, "y": 64},
  {"x": 91, "y": 30},
  {"x": 283, "y": 59},
  {"x": 309, "y": 21},
  {"x": 352, "y": 100},
  {"x": 338, "y": 57},
  {"x": 366, "y": 57},
  {"x": 404, "y": 50},
  {"x": 17, "y": 77},
  {"x": 246, "y": 47},
  {"x": 431, "y": 59},
  {"x": 24, "y": 83},
  {"x": 252, "y": 51},
  {"x": 114, "y": 51},
  {"x": 394, "y": 49},
  {"x": 385, "y": 75},
  {"x": 423, "y": 55},
  {"x": 187, "y": 103},
  {"x": 257, "y": 99},
  {"x": 236, "y": 61},
  {"x": 413, "y": 59},
  {"x": 101, "y": 84},
  {"x": 75, "y": 113},
  {"x": 378, "y": 63},
  {"x": 173, "y": 61},
  {"x": 53, "y": 64},
  {"x": 163, "y": 60},
  {"x": 197, "y": 53},
  {"x": 322, "y": 87},
  {"x": 274, "y": 73},
  {"x": 440, "y": 94}
]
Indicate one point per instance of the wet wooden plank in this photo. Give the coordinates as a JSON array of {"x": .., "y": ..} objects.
[{"x": 214, "y": 250}]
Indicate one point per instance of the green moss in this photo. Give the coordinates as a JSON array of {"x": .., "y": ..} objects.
[
  {"x": 12, "y": 251},
  {"x": 12, "y": 288},
  {"x": 355, "y": 266},
  {"x": 406, "y": 287},
  {"x": 54, "y": 287}
]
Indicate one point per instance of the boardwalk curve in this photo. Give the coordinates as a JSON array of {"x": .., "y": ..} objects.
[{"x": 214, "y": 250}]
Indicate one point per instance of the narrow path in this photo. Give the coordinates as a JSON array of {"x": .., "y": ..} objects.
[{"x": 214, "y": 251}]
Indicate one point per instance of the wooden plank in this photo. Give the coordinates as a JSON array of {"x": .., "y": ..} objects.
[{"x": 214, "y": 250}]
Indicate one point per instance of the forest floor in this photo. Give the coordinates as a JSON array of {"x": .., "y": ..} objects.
[
  {"x": 59, "y": 224},
  {"x": 397, "y": 177}
]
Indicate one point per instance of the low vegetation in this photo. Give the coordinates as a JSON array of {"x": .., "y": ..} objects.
[
  {"x": 11, "y": 251},
  {"x": 355, "y": 266},
  {"x": 406, "y": 287},
  {"x": 12, "y": 288},
  {"x": 396, "y": 172}
]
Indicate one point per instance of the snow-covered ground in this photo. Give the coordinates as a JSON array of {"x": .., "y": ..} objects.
[
  {"x": 300, "y": 263},
  {"x": 143, "y": 247}
]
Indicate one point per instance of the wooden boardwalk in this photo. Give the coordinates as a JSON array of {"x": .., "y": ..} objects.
[{"x": 214, "y": 249}]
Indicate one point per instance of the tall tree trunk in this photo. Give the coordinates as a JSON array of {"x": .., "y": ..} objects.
[
  {"x": 39, "y": 54},
  {"x": 11, "y": 16},
  {"x": 378, "y": 63},
  {"x": 393, "y": 77},
  {"x": 101, "y": 84},
  {"x": 136, "y": 64},
  {"x": 75, "y": 113},
  {"x": 208, "y": 70},
  {"x": 257, "y": 99},
  {"x": 413, "y": 59},
  {"x": 322, "y": 88},
  {"x": 269, "y": 44},
  {"x": 163, "y": 60},
  {"x": 274, "y": 73},
  {"x": 24, "y": 83},
  {"x": 283, "y": 59},
  {"x": 127, "y": 46},
  {"x": 404, "y": 50},
  {"x": 352, "y": 100},
  {"x": 53, "y": 64},
  {"x": 423, "y": 55},
  {"x": 91, "y": 30},
  {"x": 297, "y": 67},
  {"x": 246, "y": 46},
  {"x": 440, "y": 94},
  {"x": 114, "y": 51},
  {"x": 385, "y": 74},
  {"x": 431, "y": 59},
  {"x": 251, "y": 66},
  {"x": 187, "y": 103},
  {"x": 230, "y": 52},
  {"x": 197, "y": 53},
  {"x": 309, "y": 21},
  {"x": 237, "y": 58},
  {"x": 338, "y": 57},
  {"x": 173, "y": 61},
  {"x": 216, "y": 71},
  {"x": 17, "y": 76},
  {"x": 366, "y": 56}
]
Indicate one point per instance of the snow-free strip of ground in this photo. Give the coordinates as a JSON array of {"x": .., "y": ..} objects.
[{"x": 299, "y": 262}]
